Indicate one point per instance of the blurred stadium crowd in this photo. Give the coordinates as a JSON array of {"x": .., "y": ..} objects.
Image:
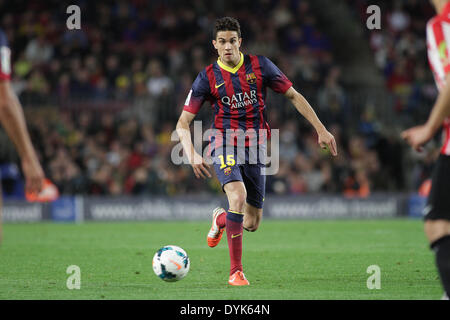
[
  {"x": 400, "y": 52},
  {"x": 102, "y": 102}
]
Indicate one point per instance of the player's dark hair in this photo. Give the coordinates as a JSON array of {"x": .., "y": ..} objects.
[{"x": 227, "y": 24}]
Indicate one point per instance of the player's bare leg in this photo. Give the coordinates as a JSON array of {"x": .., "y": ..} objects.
[
  {"x": 1, "y": 231},
  {"x": 236, "y": 194},
  {"x": 252, "y": 217},
  {"x": 436, "y": 229}
]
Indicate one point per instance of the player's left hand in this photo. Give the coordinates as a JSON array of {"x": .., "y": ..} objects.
[
  {"x": 326, "y": 140},
  {"x": 417, "y": 136}
]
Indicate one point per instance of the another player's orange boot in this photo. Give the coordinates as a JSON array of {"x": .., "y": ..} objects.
[
  {"x": 215, "y": 233},
  {"x": 238, "y": 279}
]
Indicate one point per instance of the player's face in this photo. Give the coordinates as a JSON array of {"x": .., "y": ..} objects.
[{"x": 227, "y": 44}]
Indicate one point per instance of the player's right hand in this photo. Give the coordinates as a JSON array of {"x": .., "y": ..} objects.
[
  {"x": 417, "y": 136},
  {"x": 200, "y": 167},
  {"x": 34, "y": 175}
]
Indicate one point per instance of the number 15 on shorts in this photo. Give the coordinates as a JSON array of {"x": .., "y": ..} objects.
[{"x": 230, "y": 161}]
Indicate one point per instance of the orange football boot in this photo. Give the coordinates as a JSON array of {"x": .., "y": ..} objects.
[
  {"x": 215, "y": 233},
  {"x": 48, "y": 193},
  {"x": 238, "y": 279}
]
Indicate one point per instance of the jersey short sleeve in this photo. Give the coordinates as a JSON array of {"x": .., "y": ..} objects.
[
  {"x": 274, "y": 77},
  {"x": 5, "y": 58},
  {"x": 438, "y": 41},
  {"x": 199, "y": 92}
]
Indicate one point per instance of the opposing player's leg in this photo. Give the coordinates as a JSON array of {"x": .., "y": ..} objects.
[
  {"x": 436, "y": 229},
  {"x": 1, "y": 213},
  {"x": 438, "y": 234},
  {"x": 437, "y": 219}
]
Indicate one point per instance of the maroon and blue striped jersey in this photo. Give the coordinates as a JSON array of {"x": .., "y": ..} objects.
[{"x": 237, "y": 95}]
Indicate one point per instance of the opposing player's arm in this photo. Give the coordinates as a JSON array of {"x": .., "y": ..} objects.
[
  {"x": 13, "y": 121},
  {"x": 439, "y": 57},
  {"x": 441, "y": 108},
  {"x": 325, "y": 138},
  {"x": 417, "y": 136}
]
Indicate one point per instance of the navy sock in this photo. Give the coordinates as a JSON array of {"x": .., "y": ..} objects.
[{"x": 441, "y": 248}]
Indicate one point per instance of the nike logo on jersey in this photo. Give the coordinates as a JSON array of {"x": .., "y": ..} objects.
[{"x": 217, "y": 86}]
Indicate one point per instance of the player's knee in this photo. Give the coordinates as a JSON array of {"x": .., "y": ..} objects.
[
  {"x": 237, "y": 200},
  {"x": 251, "y": 224},
  {"x": 251, "y": 227},
  {"x": 436, "y": 229}
]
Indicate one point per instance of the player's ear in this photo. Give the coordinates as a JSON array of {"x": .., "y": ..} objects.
[{"x": 214, "y": 42}]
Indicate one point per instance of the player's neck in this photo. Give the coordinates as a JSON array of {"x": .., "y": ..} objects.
[
  {"x": 232, "y": 63},
  {"x": 440, "y": 5}
]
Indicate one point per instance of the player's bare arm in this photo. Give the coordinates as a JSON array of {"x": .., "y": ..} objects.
[
  {"x": 417, "y": 136},
  {"x": 197, "y": 162},
  {"x": 13, "y": 120},
  {"x": 325, "y": 138}
]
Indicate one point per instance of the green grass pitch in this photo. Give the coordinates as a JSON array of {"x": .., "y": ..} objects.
[{"x": 291, "y": 259}]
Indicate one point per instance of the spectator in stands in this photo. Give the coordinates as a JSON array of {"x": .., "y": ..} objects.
[{"x": 38, "y": 51}]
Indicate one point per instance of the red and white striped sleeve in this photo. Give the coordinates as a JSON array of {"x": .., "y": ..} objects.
[{"x": 438, "y": 41}]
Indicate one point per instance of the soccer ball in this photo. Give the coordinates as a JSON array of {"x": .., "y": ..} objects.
[{"x": 171, "y": 263}]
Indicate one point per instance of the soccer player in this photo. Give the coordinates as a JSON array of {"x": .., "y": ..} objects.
[
  {"x": 235, "y": 86},
  {"x": 437, "y": 211},
  {"x": 13, "y": 121}
]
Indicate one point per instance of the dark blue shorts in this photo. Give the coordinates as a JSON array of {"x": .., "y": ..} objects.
[{"x": 228, "y": 169}]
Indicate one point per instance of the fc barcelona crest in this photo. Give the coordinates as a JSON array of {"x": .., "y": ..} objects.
[
  {"x": 227, "y": 171},
  {"x": 251, "y": 78}
]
